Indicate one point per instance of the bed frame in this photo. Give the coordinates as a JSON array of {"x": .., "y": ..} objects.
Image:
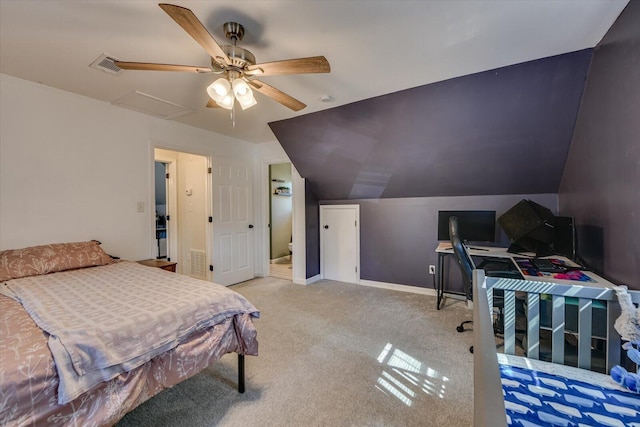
[
  {"x": 240, "y": 373},
  {"x": 489, "y": 407}
]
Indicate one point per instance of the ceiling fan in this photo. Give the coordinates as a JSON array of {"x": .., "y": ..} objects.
[{"x": 237, "y": 65}]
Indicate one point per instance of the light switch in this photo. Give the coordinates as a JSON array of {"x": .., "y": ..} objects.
[{"x": 140, "y": 207}]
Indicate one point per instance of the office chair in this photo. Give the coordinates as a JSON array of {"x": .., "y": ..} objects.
[
  {"x": 464, "y": 262},
  {"x": 466, "y": 268}
]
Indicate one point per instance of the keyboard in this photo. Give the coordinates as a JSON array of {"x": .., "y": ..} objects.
[
  {"x": 547, "y": 266},
  {"x": 497, "y": 266}
]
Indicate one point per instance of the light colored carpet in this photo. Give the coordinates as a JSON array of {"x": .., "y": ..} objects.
[{"x": 333, "y": 354}]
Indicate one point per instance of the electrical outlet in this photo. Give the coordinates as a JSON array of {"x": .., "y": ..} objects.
[{"x": 432, "y": 269}]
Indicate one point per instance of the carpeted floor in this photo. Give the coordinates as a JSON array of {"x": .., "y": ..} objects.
[{"x": 333, "y": 354}]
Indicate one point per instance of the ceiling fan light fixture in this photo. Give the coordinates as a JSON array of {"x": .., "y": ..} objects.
[
  {"x": 226, "y": 102},
  {"x": 219, "y": 90},
  {"x": 243, "y": 94},
  {"x": 248, "y": 102},
  {"x": 240, "y": 88}
]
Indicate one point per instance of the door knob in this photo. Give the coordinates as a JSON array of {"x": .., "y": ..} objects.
[
  {"x": 326, "y": 227},
  {"x": 250, "y": 225}
]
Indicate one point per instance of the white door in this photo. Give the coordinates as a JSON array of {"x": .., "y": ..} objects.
[
  {"x": 340, "y": 243},
  {"x": 232, "y": 222}
]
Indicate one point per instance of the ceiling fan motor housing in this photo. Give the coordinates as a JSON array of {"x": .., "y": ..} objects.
[{"x": 239, "y": 57}]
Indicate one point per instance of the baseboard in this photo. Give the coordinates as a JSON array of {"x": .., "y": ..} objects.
[
  {"x": 308, "y": 281},
  {"x": 282, "y": 258},
  {"x": 401, "y": 288}
]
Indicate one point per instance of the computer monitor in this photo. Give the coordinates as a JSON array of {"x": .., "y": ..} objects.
[{"x": 473, "y": 226}]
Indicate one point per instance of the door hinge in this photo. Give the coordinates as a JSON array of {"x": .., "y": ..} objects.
[
  {"x": 166, "y": 176},
  {"x": 208, "y": 170},
  {"x": 356, "y": 269},
  {"x": 210, "y": 267},
  {"x": 356, "y": 223},
  {"x": 168, "y": 217},
  {"x": 210, "y": 219}
]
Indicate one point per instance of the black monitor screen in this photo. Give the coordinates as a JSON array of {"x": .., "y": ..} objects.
[{"x": 473, "y": 226}]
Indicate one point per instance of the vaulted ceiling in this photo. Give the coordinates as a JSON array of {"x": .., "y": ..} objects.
[
  {"x": 374, "y": 47},
  {"x": 503, "y": 131}
]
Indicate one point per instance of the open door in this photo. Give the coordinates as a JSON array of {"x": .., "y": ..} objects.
[{"x": 233, "y": 230}]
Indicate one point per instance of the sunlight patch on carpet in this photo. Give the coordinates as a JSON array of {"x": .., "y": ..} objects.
[{"x": 404, "y": 376}]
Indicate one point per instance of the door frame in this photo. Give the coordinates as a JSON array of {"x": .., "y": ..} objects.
[
  {"x": 172, "y": 195},
  {"x": 172, "y": 207},
  {"x": 299, "y": 264},
  {"x": 323, "y": 209}
]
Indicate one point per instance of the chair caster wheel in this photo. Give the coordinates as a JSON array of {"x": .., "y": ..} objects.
[{"x": 460, "y": 328}]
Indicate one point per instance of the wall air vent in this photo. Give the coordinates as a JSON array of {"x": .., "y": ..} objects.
[
  {"x": 148, "y": 104},
  {"x": 198, "y": 267},
  {"x": 106, "y": 63}
]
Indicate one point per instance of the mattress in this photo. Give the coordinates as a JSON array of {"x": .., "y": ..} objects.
[{"x": 29, "y": 377}]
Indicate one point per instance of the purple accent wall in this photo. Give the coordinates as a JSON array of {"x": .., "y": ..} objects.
[
  {"x": 503, "y": 131},
  {"x": 312, "y": 231},
  {"x": 398, "y": 237},
  {"x": 601, "y": 182}
]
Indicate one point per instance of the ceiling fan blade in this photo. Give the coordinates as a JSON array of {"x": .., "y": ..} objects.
[
  {"x": 212, "y": 104},
  {"x": 188, "y": 21},
  {"x": 313, "y": 64},
  {"x": 277, "y": 95},
  {"x": 160, "y": 67}
]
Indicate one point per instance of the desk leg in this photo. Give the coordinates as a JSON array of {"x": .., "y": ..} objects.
[{"x": 440, "y": 280}]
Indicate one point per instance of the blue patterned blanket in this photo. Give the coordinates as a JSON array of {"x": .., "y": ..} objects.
[{"x": 537, "y": 398}]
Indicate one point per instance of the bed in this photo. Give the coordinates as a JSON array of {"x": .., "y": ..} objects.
[
  {"x": 522, "y": 390},
  {"x": 84, "y": 338}
]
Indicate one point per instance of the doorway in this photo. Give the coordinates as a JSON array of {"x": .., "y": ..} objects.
[
  {"x": 280, "y": 221},
  {"x": 162, "y": 226},
  {"x": 184, "y": 216}
]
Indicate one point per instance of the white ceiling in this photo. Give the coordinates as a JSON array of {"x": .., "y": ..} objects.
[{"x": 374, "y": 47}]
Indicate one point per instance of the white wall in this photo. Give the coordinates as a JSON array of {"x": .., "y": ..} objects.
[{"x": 74, "y": 168}]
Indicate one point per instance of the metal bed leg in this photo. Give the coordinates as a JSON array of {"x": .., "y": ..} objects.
[{"x": 240, "y": 373}]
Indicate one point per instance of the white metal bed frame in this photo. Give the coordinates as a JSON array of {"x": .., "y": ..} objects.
[{"x": 489, "y": 407}]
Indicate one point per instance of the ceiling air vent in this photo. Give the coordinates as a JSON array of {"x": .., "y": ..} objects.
[{"x": 106, "y": 63}]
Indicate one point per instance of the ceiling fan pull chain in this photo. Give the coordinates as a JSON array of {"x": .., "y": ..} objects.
[{"x": 233, "y": 116}]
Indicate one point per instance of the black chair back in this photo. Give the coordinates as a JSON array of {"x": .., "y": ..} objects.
[{"x": 463, "y": 258}]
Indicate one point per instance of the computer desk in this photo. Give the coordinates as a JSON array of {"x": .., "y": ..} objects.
[{"x": 444, "y": 249}]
